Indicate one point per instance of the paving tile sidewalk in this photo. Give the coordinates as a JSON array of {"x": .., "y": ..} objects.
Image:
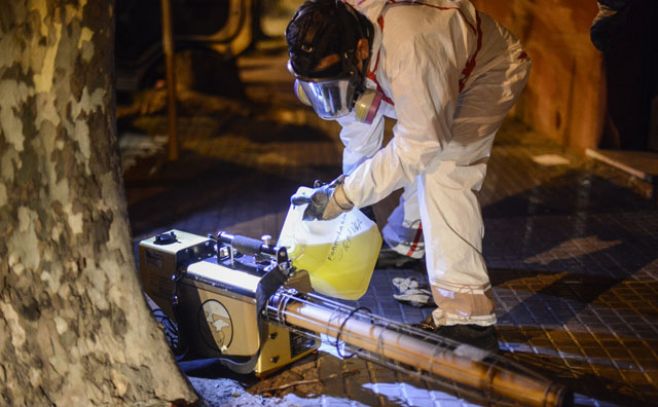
[{"x": 573, "y": 256}]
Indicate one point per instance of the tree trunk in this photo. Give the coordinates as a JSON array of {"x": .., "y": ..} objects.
[{"x": 74, "y": 327}]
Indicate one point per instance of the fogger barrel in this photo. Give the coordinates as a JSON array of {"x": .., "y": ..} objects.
[{"x": 478, "y": 374}]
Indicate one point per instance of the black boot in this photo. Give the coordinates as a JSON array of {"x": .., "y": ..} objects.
[
  {"x": 390, "y": 259},
  {"x": 483, "y": 337}
]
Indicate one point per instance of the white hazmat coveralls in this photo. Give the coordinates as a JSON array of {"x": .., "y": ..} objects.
[{"x": 450, "y": 74}]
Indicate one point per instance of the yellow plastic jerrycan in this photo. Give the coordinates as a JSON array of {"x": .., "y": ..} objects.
[{"x": 339, "y": 254}]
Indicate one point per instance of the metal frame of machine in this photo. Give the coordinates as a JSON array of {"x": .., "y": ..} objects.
[{"x": 216, "y": 297}]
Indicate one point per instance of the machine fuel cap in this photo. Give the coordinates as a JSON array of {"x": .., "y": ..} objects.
[{"x": 166, "y": 238}]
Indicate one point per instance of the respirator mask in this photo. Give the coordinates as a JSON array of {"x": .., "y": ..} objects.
[
  {"x": 335, "y": 91},
  {"x": 336, "y": 97}
]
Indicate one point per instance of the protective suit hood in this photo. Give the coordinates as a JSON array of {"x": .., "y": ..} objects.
[
  {"x": 370, "y": 8},
  {"x": 374, "y": 8}
]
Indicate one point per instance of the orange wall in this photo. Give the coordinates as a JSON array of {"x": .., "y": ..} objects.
[{"x": 565, "y": 95}]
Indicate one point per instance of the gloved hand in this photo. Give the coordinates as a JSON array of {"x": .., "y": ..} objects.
[{"x": 325, "y": 202}]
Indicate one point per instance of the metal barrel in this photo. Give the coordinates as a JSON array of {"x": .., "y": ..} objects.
[{"x": 469, "y": 372}]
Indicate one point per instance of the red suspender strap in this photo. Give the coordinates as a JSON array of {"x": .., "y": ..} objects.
[
  {"x": 414, "y": 245},
  {"x": 372, "y": 75},
  {"x": 470, "y": 64}
]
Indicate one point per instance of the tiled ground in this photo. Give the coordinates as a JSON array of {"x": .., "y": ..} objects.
[{"x": 573, "y": 254}]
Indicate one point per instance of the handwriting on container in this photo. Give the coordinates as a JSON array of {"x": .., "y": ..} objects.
[{"x": 344, "y": 238}]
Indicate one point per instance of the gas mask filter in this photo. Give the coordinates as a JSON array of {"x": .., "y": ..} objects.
[{"x": 367, "y": 105}]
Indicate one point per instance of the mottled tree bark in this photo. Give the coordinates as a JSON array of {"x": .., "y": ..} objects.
[{"x": 74, "y": 327}]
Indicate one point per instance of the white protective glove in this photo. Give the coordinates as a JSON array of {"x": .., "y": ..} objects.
[{"x": 325, "y": 202}]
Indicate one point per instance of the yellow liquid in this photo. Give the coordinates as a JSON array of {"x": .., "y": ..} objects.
[{"x": 342, "y": 268}]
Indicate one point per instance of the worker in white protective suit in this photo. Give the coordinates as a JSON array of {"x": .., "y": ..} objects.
[{"x": 449, "y": 75}]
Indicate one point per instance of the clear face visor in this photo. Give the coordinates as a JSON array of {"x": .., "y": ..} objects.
[
  {"x": 330, "y": 98},
  {"x": 365, "y": 106}
]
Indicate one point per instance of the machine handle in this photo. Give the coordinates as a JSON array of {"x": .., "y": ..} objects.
[{"x": 246, "y": 245}]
